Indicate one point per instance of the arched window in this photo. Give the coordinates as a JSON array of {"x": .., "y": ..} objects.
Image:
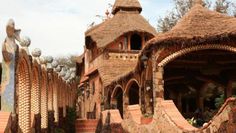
[
  {"x": 133, "y": 94},
  {"x": 136, "y": 42}
]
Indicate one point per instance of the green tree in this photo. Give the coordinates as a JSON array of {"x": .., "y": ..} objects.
[
  {"x": 69, "y": 61},
  {"x": 182, "y": 7},
  {"x": 222, "y": 6}
]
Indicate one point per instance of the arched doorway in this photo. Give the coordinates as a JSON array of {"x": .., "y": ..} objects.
[
  {"x": 117, "y": 98},
  {"x": 136, "y": 42},
  {"x": 132, "y": 91},
  {"x": 199, "y": 81}
]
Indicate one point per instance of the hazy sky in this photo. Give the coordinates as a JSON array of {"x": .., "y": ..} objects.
[{"x": 57, "y": 26}]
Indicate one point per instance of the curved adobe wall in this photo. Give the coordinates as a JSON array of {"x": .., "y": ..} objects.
[
  {"x": 36, "y": 89},
  {"x": 24, "y": 92}
]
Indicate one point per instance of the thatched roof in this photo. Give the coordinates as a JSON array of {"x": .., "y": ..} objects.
[
  {"x": 122, "y": 22},
  {"x": 198, "y": 26},
  {"x": 112, "y": 69},
  {"x": 126, "y": 5}
]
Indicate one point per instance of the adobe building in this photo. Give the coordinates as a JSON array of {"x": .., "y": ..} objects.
[
  {"x": 146, "y": 84},
  {"x": 111, "y": 50}
]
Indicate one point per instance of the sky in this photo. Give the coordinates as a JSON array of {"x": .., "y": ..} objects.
[{"x": 57, "y": 26}]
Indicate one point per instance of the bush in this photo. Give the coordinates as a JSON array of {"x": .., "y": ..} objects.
[{"x": 70, "y": 120}]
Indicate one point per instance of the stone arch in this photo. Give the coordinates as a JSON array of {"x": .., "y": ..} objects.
[
  {"x": 184, "y": 51},
  {"x": 23, "y": 88},
  {"x": 132, "y": 85},
  {"x": 117, "y": 98},
  {"x": 115, "y": 90},
  {"x": 44, "y": 100},
  {"x": 162, "y": 61}
]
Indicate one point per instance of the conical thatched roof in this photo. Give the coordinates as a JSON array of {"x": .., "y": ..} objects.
[
  {"x": 126, "y": 5},
  {"x": 199, "y": 25},
  {"x": 121, "y": 23}
]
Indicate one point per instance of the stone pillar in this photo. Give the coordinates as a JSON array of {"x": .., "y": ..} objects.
[
  {"x": 44, "y": 96},
  {"x": 55, "y": 100},
  {"x": 125, "y": 104},
  {"x": 158, "y": 83}
]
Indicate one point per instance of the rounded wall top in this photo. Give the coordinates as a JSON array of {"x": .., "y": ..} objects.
[
  {"x": 43, "y": 60},
  {"x": 49, "y": 59},
  {"x": 25, "y": 41},
  {"x": 54, "y": 64}
]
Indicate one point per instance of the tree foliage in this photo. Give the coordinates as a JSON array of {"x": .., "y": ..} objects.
[
  {"x": 183, "y": 6},
  {"x": 69, "y": 61}
]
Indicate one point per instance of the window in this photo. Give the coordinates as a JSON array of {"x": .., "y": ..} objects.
[{"x": 136, "y": 42}]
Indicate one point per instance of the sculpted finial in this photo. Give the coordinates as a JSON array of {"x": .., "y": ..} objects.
[
  {"x": 49, "y": 60},
  {"x": 25, "y": 43},
  {"x": 36, "y": 52},
  {"x": 58, "y": 69},
  {"x": 9, "y": 53},
  {"x": 11, "y": 31},
  {"x": 54, "y": 64}
]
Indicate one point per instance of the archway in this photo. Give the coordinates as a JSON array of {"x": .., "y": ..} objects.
[
  {"x": 132, "y": 91},
  {"x": 136, "y": 42},
  {"x": 198, "y": 81},
  {"x": 117, "y": 98},
  {"x": 23, "y": 89}
]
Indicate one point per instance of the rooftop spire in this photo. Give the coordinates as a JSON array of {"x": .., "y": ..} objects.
[
  {"x": 200, "y": 2},
  {"x": 126, "y": 5}
]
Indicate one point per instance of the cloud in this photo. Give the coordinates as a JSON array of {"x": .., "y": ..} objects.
[{"x": 57, "y": 26}]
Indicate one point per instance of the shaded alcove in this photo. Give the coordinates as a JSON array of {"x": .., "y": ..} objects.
[
  {"x": 197, "y": 80},
  {"x": 136, "y": 42},
  {"x": 133, "y": 94},
  {"x": 118, "y": 97}
]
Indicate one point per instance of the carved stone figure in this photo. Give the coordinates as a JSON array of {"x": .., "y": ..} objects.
[{"x": 9, "y": 52}]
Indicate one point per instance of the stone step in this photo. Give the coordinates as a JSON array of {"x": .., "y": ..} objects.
[
  {"x": 115, "y": 116},
  {"x": 135, "y": 112},
  {"x": 4, "y": 120},
  {"x": 86, "y": 126}
]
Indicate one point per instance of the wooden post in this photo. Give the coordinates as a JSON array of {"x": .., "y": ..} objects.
[{"x": 229, "y": 89}]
